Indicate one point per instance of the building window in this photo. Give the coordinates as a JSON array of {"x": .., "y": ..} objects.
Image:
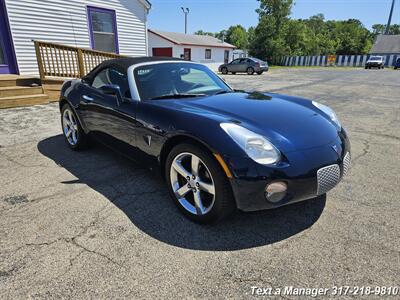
[
  {"x": 208, "y": 53},
  {"x": 103, "y": 29}
]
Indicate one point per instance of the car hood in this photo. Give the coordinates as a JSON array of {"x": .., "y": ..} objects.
[{"x": 290, "y": 123}]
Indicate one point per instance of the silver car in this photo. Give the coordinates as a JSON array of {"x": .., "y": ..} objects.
[{"x": 247, "y": 65}]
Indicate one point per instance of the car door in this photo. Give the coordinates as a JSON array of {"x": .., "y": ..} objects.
[
  {"x": 243, "y": 65},
  {"x": 110, "y": 121},
  {"x": 233, "y": 66}
]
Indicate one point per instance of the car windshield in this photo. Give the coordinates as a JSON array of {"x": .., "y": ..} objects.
[
  {"x": 177, "y": 80},
  {"x": 376, "y": 58}
]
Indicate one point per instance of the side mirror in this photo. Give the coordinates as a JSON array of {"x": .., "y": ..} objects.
[{"x": 113, "y": 90}]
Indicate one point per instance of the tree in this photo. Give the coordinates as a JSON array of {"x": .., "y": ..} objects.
[
  {"x": 237, "y": 36},
  {"x": 380, "y": 29},
  {"x": 201, "y": 32},
  {"x": 269, "y": 35}
]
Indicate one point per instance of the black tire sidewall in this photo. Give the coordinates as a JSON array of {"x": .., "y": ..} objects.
[
  {"x": 224, "y": 203},
  {"x": 224, "y": 70},
  {"x": 82, "y": 138},
  {"x": 250, "y": 71}
]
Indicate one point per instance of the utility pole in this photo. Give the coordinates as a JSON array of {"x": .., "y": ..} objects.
[
  {"x": 390, "y": 19},
  {"x": 186, "y": 12}
]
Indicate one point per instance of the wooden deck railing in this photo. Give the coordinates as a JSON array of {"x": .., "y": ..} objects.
[{"x": 57, "y": 60}]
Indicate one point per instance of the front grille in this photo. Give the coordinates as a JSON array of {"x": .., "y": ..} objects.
[
  {"x": 346, "y": 163},
  {"x": 328, "y": 178}
]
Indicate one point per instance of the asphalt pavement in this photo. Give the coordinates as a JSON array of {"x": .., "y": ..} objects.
[{"x": 94, "y": 225}]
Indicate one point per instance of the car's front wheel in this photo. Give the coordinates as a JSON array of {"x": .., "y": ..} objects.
[
  {"x": 260, "y": 73},
  {"x": 224, "y": 70},
  {"x": 73, "y": 133},
  {"x": 198, "y": 185}
]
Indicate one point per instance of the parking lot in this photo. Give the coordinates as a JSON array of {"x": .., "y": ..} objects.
[{"x": 94, "y": 225}]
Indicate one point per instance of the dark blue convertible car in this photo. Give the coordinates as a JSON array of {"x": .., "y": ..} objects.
[{"x": 219, "y": 149}]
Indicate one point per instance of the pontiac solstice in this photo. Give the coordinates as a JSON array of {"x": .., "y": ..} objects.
[{"x": 218, "y": 149}]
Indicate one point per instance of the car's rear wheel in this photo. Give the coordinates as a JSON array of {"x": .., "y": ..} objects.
[
  {"x": 198, "y": 185},
  {"x": 250, "y": 71},
  {"x": 224, "y": 70},
  {"x": 73, "y": 133}
]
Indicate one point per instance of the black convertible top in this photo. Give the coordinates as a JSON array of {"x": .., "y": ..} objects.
[{"x": 122, "y": 64}]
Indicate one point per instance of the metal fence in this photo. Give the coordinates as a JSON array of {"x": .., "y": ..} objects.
[{"x": 341, "y": 60}]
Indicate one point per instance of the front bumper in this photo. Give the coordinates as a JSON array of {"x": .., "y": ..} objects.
[
  {"x": 307, "y": 173},
  {"x": 374, "y": 65}
]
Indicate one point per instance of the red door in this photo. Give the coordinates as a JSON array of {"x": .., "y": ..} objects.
[{"x": 166, "y": 52}]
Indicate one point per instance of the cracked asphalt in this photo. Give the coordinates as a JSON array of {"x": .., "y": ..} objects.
[{"x": 94, "y": 225}]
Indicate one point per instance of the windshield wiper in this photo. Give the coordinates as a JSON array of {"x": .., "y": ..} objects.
[
  {"x": 177, "y": 96},
  {"x": 223, "y": 92}
]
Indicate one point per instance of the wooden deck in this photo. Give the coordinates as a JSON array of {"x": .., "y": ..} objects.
[{"x": 18, "y": 91}]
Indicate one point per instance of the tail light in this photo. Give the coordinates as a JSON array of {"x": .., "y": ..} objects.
[{"x": 258, "y": 65}]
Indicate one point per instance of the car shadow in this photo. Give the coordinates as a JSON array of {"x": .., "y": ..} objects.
[{"x": 144, "y": 200}]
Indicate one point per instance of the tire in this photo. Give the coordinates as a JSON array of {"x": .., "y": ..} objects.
[
  {"x": 224, "y": 70},
  {"x": 233, "y": 73},
  {"x": 77, "y": 139},
  {"x": 260, "y": 73},
  {"x": 210, "y": 176},
  {"x": 250, "y": 71}
]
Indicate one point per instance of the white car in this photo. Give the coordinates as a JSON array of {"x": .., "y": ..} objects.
[{"x": 375, "y": 62}]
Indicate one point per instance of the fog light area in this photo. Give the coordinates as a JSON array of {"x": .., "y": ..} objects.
[{"x": 275, "y": 192}]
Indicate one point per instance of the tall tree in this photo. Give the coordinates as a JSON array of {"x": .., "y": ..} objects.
[
  {"x": 269, "y": 35},
  {"x": 237, "y": 36}
]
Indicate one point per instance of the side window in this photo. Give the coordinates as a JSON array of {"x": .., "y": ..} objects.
[
  {"x": 121, "y": 80},
  {"x": 235, "y": 62},
  {"x": 111, "y": 76},
  {"x": 101, "y": 79}
]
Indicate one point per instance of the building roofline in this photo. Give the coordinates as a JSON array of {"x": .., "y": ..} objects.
[
  {"x": 146, "y": 3},
  {"x": 189, "y": 44}
]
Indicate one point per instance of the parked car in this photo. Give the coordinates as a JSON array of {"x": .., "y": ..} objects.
[
  {"x": 218, "y": 149},
  {"x": 397, "y": 64},
  {"x": 247, "y": 65},
  {"x": 375, "y": 62}
]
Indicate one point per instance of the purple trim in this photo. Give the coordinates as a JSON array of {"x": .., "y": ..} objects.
[
  {"x": 91, "y": 9},
  {"x": 11, "y": 66}
]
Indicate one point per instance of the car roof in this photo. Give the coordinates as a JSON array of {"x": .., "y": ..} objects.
[{"x": 122, "y": 64}]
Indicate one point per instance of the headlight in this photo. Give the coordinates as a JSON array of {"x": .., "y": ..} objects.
[
  {"x": 256, "y": 146},
  {"x": 329, "y": 111}
]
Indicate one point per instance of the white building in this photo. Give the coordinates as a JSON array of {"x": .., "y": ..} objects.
[
  {"x": 108, "y": 25},
  {"x": 199, "y": 48}
]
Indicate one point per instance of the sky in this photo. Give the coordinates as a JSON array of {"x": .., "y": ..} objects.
[{"x": 216, "y": 15}]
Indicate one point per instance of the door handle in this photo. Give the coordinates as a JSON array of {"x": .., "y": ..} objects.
[{"x": 87, "y": 99}]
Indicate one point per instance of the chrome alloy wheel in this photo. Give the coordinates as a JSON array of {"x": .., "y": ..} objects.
[
  {"x": 70, "y": 127},
  {"x": 192, "y": 183}
]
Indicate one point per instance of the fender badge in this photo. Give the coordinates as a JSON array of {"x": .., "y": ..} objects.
[
  {"x": 336, "y": 149},
  {"x": 148, "y": 140}
]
